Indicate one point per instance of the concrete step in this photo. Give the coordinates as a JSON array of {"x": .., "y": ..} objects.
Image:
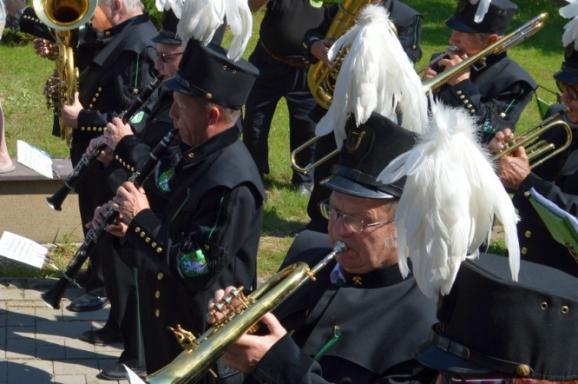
[{"x": 24, "y": 210}]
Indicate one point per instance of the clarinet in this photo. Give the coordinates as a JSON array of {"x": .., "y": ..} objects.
[
  {"x": 53, "y": 296},
  {"x": 55, "y": 201}
]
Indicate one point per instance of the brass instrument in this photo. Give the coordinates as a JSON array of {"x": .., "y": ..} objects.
[
  {"x": 540, "y": 150},
  {"x": 62, "y": 16},
  {"x": 202, "y": 352},
  {"x": 436, "y": 60},
  {"x": 321, "y": 77},
  {"x": 509, "y": 41}
]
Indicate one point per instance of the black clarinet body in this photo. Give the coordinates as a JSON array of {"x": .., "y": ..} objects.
[
  {"x": 53, "y": 296},
  {"x": 88, "y": 159}
]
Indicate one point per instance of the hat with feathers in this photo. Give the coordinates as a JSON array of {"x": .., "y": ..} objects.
[
  {"x": 569, "y": 72},
  {"x": 483, "y": 16},
  {"x": 168, "y": 34}
]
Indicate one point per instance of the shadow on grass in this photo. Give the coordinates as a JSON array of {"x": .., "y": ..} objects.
[{"x": 276, "y": 225}]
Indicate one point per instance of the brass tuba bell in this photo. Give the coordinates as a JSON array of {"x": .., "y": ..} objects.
[{"x": 62, "y": 16}]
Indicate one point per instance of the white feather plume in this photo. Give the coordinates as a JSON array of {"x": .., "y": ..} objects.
[
  {"x": 483, "y": 7},
  {"x": 200, "y": 19},
  {"x": 2, "y": 18},
  {"x": 375, "y": 76},
  {"x": 570, "y": 35},
  {"x": 449, "y": 202}
]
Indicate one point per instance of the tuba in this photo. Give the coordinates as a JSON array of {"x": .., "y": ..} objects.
[
  {"x": 62, "y": 16},
  {"x": 202, "y": 352},
  {"x": 321, "y": 77}
]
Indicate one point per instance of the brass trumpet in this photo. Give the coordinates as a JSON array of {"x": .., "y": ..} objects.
[
  {"x": 540, "y": 150},
  {"x": 509, "y": 41},
  {"x": 201, "y": 353}
]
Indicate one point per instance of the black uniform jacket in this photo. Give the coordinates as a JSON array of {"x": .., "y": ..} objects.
[
  {"x": 114, "y": 66},
  {"x": 496, "y": 94},
  {"x": 406, "y": 19},
  {"x": 205, "y": 238},
  {"x": 382, "y": 319},
  {"x": 557, "y": 180}
]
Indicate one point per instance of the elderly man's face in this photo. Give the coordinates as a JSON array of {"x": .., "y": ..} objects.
[
  {"x": 101, "y": 19},
  {"x": 190, "y": 117},
  {"x": 470, "y": 43},
  {"x": 372, "y": 248}
]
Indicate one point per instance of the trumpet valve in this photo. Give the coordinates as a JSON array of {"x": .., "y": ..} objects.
[{"x": 186, "y": 339}]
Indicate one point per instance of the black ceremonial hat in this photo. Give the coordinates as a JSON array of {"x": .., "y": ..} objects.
[
  {"x": 490, "y": 325},
  {"x": 368, "y": 149},
  {"x": 497, "y": 19},
  {"x": 168, "y": 34},
  {"x": 206, "y": 71},
  {"x": 568, "y": 74}
]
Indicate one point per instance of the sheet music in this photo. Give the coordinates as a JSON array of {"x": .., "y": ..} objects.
[
  {"x": 133, "y": 377},
  {"x": 555, "y": 209},
  {"x": 34, "y": 158},
  {"x": 21, "y": 249}
]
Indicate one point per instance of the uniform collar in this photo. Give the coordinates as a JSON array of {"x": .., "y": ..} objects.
[
  {"x": 112, "y": 32},
  {"x": 378, "y": 278},
  {"x": 193, "y": 155}
]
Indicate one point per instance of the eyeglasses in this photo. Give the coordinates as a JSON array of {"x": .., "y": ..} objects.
[
  {"x": 353, "y": 223},
  {"x": 570, "y": 90},
  {"x": 165, "y": 56}
]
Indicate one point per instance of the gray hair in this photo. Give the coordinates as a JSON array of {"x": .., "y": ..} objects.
[{"x": 131, "y": 5}]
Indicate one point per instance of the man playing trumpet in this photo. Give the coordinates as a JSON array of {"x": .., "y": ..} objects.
[{"x": 496, "y": 91}]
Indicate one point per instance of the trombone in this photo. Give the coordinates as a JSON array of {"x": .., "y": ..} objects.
[
  {"x": 511, "y": 40},
  {"x": 540, "y": 150}
]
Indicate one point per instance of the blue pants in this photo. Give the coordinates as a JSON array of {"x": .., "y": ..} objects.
[{"x": 276, "y": 80}]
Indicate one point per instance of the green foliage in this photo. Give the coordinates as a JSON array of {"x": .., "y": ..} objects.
[
  {"x": 12, "y": 38},
  {"x": 156, "y": 16}
]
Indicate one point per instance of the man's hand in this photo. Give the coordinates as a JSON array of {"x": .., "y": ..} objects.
[
  {"x": 117, "y": 229},
  {"x": 514, "y": 169},
  {"x": 453, "y": 59},
  {"x": 115, "y": 131},
  {"x": 245, "y": 353},
  {"x": 70, "y": 112},
  {"x": 320, "y": 49},
  {"x": 129, "y": 201},
  {"x": 13, "y": 6},
  {"x": 501, "y": 141},
  {"x": 106, "y": 156}
]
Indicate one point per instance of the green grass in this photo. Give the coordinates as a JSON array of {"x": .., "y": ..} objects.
[{"x": 22, "y": 76}]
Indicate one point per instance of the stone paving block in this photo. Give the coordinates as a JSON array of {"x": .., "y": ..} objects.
[
  {"x": 88, "y": 367},
  {"x": 100, "y": 315},
  {"x": 61, "y": 329},
  {"x": 20, "y": 348},
  {"x": 47, "y": 313},
  {"x": 77, "y": 349},
  {"x": 46, "y": 351},
  {"x": 95, "y": 380},
  {"x": 32, "y": 294},
  {"x": 69, "y": 379},
  {"x": 15, "y": 331},
  {"x": 20, "y": 318},
  {"x": 3, "y": 371},
  {"x": 23, "y": 303},
  {"x": 12, "y": 294},
  {"x": 2, "y": 336},
  {"x": 29, "y": 371}
]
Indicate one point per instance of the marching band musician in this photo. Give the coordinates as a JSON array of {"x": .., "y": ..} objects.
[
  {"x": 360, "y": 321},
  {"x": 408, "y": 24},
  {"x": 207, "y": 234},
  {"x": 115, "y": 64},
  {"x": 496, "y": 91},
  {"x": 556, "y": 179},
  {"x": 132, "y": 143}
]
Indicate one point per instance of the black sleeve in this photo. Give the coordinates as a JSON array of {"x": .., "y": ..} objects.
[
  {"x": 30, "y": 24},
  {"x": 131, "y": 73},
  {"x": 410, "y": 38},
  {"x": 318, "y": 33},
  {"x": 495, "y": 114},
  {"x": 551, "y": 191}
]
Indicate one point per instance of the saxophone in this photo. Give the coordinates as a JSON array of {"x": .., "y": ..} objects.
[
  {"x": 321, "y": 77},
  {"x": 62, "y": 16}
]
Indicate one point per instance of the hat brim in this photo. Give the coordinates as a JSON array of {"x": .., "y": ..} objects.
[
  {"x": 166, "y": 38},
  {"x": 457, "y": 25},
  {"x": 566, "y": 77},
  {"x": 180, "y": 85},
  {"x": 349, "y": 187},
  {"x": 434, "y": 357}
]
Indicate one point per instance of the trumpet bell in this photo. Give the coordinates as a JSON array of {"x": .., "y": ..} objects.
[{"x": 64, "y": 15}]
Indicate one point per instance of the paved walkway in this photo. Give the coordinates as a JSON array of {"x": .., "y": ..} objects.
[{"x": 40, "y": 344}]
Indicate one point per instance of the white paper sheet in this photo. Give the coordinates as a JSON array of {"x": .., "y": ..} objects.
[
  {"x": 21, "y": 249},
  {"x": 34, "y": 158},
  {"x": 133, "y": 378}
]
